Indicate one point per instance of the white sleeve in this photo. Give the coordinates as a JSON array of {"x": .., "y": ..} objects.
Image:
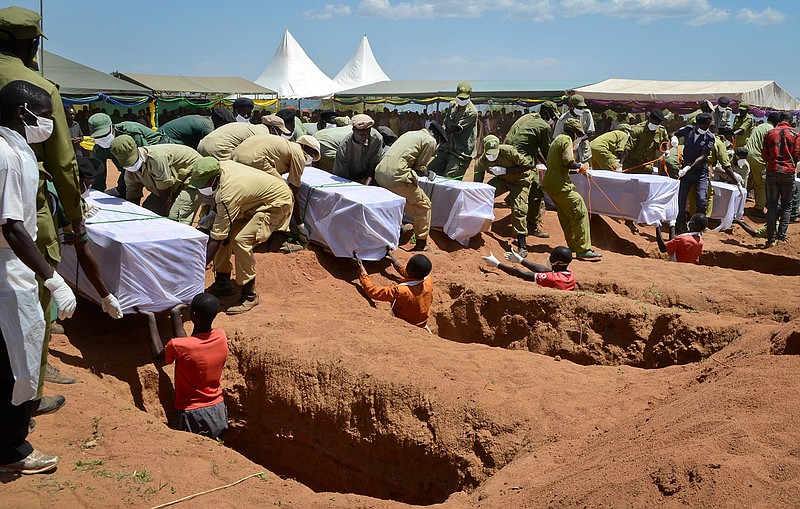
[{"x": 11, "y": 195}]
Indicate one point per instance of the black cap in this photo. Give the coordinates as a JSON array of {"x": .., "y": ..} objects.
[
  {"x": 328, "y": 114},
  {"x": 89, "y": 167},
  {"x": 703, "y": 118},
  {"x": 221, "y": 116},
  {"x": 286, "y": 114},
  {"x": 434, "y": 127},
  {"x": 724, "y": 100},
  {"x": 657, "y": 115},
  {"x": 243, "y": 102}
]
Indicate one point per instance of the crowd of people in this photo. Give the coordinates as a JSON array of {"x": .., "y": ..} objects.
[{"x": 236, "y": 173}]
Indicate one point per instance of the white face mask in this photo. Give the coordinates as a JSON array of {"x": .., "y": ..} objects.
[
  {"x": 309, "y": 160},
  {"x": 741, "y": 162},
  {"x": 492, "y": 157},
  {"x": 85, "y": 193},
  {"x": 702, "y": 131},
  {"x": 240, "y": 118},
  {"x": 652, "y": 126},
  {"x": 286, "y": 136},
  {"x": 462, "y": 102},
  {"x": 105, "y": 141},
  {"x": 135, "y": 166},
  {"x": 577, "y": 112},
  {"x": 727, "y": 143},
  {"x": 39, "y": 132},
  {"x": 206, "y": 191},
  {"x": 329, "y": 126}
]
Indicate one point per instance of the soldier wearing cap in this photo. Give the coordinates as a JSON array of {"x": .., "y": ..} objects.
[
  {"x": 606, "y": 147},
  {"x": 578, "y": 110},
  {"x": 330, "y": 139},
  {"x": 243, "y": 108},
  {"x": 188, "y": 130},
  {"x": 163, "y": 170},
  {"x": 249, "y": 206},
  {"x": 743, "y": 124},
  {"x": 20, "y": 33},
  {"x": 645, "y": 145},
  {"x": 360, "y": 152},
  {"x": 220, "y": 143},
  {"x": 460, "y": 123},
  {"x": 276, "y": 126},
  {"x": 531, "y": 135},
  {"x": 104, "y": 132},
  {"x": 405, "y": 160},
  {"x": 571, "y": 209},
  {"x": 513, "y": 174}
]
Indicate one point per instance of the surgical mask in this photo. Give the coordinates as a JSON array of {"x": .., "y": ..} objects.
[
  {"x": 286, "y": 136},
  {"x": 329, "y": 126},
  {"x": 727, "y": 143},
  {"x": 85, "y": 193},
  {"x": 462, "y": 102},
  {"x": 105, "y": 141},
  {"x": 135, "y": 166},
  {"x": 39, "y": 132},
  {"x": 702, "y": 131},
  {"x": 652, "y": 126},
  {"x": 577, "y": 112},
  {"x": 492, "y": 157},
  {"x": 206, "y": 191},
  {"x": 741, "y": 162},
  {"x": 240, "y": 118},
  {"x": 309, "y": 160}
]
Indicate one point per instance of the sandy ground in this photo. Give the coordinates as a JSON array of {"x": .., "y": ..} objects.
[{"x": 531, "y": 397}]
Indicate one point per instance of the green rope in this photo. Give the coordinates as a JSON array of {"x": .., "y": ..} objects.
[{"x": 129, "y": 220}]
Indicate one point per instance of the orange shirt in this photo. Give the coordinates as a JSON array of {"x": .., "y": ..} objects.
[
  {"x": 198, "y": 368},
  {"x": 412, "y": 302},
  {"x": 686, "y": 247}
]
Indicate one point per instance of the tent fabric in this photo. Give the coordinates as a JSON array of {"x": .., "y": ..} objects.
[
  {"x": 762, "y": 94},
  {"x": 362, "y": 69},
  {"x": 77, "y": 79},
  {"x": 293, "y": 75},
  {"x": 196, "y": 84},
  {"x": 447, "y": 89}
]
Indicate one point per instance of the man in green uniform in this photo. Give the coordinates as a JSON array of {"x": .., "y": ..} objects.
[
  {"x": 20, "y": 33},
  {"x": 188, "y": 130},
  {"x": 571, "y": 209},
  {"x": 407, "y": 158},
  {"x": 758, "y": 168},
  {"x": 461, "y": 126},
  {"x": 646, "y": 144},
  {"x": 513, "y": 174},
  {"x": 360, "y": 152},
  {"x": 161, "y": 169},
  {"x": 607, "y": 147},
  {"x": 743, "y": 124},
  {"x": 531, "y": 135}
]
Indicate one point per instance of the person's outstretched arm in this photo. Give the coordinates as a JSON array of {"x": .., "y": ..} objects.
[
  {"x": 88, "y": 263},
  {"x": 661, "y": 245}
]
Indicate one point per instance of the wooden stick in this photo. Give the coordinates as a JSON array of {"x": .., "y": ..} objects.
[{"x": 189, "y": 497}]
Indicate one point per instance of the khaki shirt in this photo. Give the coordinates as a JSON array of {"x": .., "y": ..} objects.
[
  {"x": 243, "y": 191},
  {"x": 559, "y": 157},
  {"x": 357, "y": 162},
  {"x": 530, "y": 134},
  {"x": 460, "y": 143},
  {"x": 644, "y": 145},
  {"x": 222, "y": 140},
  {"x": 272, "y": 154},
  {"x": 56, "y": 153},
  {"x": 406, "y": 158},
  {"x": 609, "y": 144},
  {"x": 746, "y": 124},
  {"x": 719, "y": 154},
  {"x": 329, "y": 141},
  {"x": 509, "y": 157},
  {"x": 165, "y": 168}
]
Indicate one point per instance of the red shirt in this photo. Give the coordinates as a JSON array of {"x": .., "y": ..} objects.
[
  {"x": 563, "y": 280},
  {"x": 198, "y": 368},
  {"x": 781, "y": 149},
  {"x": 685, "y": 248}
]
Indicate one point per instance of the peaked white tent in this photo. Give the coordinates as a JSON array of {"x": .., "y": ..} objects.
[
  {"x": 293, "y": 75},
  {"x": 362, "y": 69}
]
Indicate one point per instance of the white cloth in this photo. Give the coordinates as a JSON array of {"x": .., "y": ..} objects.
[
  {"x": 21, "y": 317},
  {"x": 461, "y": 209},
  {"x": 728, "y": 204},
  {"x": 153, "y": 264},
  {"x": 346, "y": 216}
]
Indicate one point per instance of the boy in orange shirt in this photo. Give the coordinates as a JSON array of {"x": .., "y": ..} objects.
[{"x": 412, "y": 297}]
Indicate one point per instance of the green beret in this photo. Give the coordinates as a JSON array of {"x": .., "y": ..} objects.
[
  {"x": 203, "y": 170},
  {"x": 125, "y": 150},
  {"x": 19, "y": 23}
]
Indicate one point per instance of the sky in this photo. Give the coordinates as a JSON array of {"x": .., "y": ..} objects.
[{"x": 571, "y": 41}]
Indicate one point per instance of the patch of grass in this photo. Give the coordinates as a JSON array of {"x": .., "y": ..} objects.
[
  {"x": 83, "y": 466},
  {"x": 652, "y": 292},
  {"x": 92, "y": 441},
  {"x": 141, "y": 476},
  {"x": 50, "y": 485}
]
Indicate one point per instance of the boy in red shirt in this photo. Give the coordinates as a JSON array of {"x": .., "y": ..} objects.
[
  {"x": 199, "y": 360},
  {"x": 556, "y": 275},
  {"x": 686, "y": 247},
  {"x": 412, "y": 298}
]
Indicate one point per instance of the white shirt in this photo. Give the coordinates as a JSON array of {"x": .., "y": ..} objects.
[{"x": 19, "y": 182}]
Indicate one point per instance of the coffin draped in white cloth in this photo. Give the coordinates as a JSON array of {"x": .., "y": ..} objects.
[
  {"x": 346, "y": 216},
  {"x": 461, "y": 209},
  {"x": 146, "y": 261}
]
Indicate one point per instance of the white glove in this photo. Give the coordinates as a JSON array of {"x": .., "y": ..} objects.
[
  {"x": 207, "y": 221},
  {"x": 674, "y": 141},
  {"x": 431, "y": 176},
  {"x": 618, "y": 169},
  {"x": 111, "y": 306},
  {"x": 513, "y": 256},
  {"x": 303, "y": 231},
  {"x": 541, "y": 167},
  {"x": 739, "y": 180},
  {"x": 490, "y": 260},
  {"x": 683, "y": 171},
  {"x": 62, "y": 294},
  {"x": 497, "y": 170}
]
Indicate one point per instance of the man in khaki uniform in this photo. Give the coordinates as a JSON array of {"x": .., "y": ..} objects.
[
  {"x": 606, "y": 147},
  {"x": 460, "y": 124},
  {"x": 645, "y": 144},
  {"x": 743, "y": 124},
  {"x": 250, "y": 205},
  {"x": 407, "y": 158},
  {"x": 19, "y": 41},
  {"x": 161, "y": 169},
  {"x": 360, "y": 152},
  {"x": 222, "y": 140}
]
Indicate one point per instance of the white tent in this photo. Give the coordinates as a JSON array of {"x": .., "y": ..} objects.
[
  {"x": 293, "y": 75},
  {"x": 362, "y": 69},
  {"x": 763, "y": 94}
]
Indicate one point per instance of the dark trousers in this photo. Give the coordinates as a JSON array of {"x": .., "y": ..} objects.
[
  {"x": 14, "y": 420},
  {"x": 780, "y": 189},
  {"x": 699, "y": 178}
]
